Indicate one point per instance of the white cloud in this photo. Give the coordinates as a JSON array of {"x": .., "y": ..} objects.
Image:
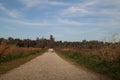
[
  {"x": 68, "y": 22},
  {"x": 11, "y": 13},
  {"x": 74, "y": 10},
  {"x": 112, "y": 24},
  {"x": 32, "y": 3},
  {"x": 2, "y": 7},
  {"x": 62, "y": 22},
  {"x": 109, "y": 8},
  {"x": 36, "y": 3},
  {"x": 26, "y": 23},
  {"x": 57, "y": 3},
  {"x": 78, "y": 9}
]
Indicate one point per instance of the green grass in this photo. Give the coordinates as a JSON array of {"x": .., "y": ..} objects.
[
  {"x": 94, "y": 63},
  {"x": 14, "y": 60},
  {"x": 18, "y": 55}
]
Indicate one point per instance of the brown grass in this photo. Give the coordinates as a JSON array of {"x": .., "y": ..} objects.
[
  {"x": 7, "y": 51},
  {"x": 12, "y": 49},
  {"x": 107, "y": 53}
]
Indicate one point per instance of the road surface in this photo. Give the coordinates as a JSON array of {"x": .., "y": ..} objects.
[{"x": 49, "y": 66}]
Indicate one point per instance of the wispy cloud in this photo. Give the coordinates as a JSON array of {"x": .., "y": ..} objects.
[
  {"x": 32, "y": 3},
  {"x": 68, "y": 22},
  {"x": 93, "y": 7},
  {"x": 57, "y": 3},
  {"x": 36, "y": 3},
  {"x": 11, "y": 13},
  {"x": 26, "y": 23},
  {"x": 74, "y": 11},
  {"x": 78, "y": 9}
]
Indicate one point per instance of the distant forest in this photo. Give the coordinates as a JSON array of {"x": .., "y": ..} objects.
[{"x": 51, "y": 43}]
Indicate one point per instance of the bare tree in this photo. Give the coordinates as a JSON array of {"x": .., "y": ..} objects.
[{"x": 114, "y": 37}]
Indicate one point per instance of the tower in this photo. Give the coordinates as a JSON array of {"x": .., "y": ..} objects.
[{"x": 52, "y": 40}]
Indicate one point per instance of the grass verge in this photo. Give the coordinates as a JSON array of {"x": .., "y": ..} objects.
[
  {"x": 94, "y": 63},
  {"x": 11, "y": 61}
]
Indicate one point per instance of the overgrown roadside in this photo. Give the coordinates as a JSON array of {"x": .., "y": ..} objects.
[
  {"x": 10, "y": 61},
  {"x": 93, "y": 62}
]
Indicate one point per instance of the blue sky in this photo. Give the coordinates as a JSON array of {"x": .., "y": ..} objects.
[{"x": 67, "y": 20}]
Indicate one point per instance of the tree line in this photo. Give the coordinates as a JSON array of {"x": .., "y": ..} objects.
[
  {"x": 38, "y": 43},
  {"x": 51, "y": 43}
]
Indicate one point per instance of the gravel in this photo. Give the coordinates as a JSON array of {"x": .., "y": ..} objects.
[{"x": 49, "y": 66}]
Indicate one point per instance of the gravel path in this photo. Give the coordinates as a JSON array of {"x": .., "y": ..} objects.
[{"x": 49, "y": 66}]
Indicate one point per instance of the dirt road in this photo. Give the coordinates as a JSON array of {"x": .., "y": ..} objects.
[{"x": 49, "y": 66}]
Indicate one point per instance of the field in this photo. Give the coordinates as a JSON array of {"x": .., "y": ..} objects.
[
  {"x": 105, "y": 60},
  {"x": 12, "y": 56}
]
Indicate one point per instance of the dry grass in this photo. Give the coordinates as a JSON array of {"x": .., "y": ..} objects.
[
  {"x": 11, "y": 52},
  {"x": 12, "y": 56},
  {"x": 110, "y": 54},
  {"x": 105, "y": 60},
  {"x": 107, "y": 53},
  {"x": 12, "y": 49}
]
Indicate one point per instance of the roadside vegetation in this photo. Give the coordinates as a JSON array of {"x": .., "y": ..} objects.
[
  {"x": 15, "y": 51},
  {"x": 105, "y": 60},
  {"x": 12, "y": 56}
]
